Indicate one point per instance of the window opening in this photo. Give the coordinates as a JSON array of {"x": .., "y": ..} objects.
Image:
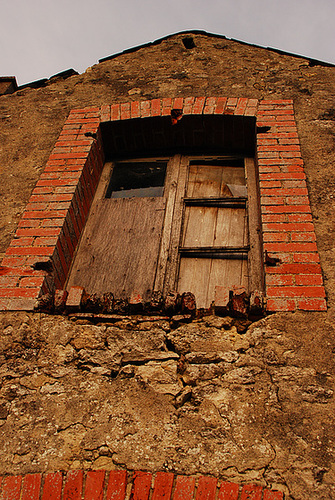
[
  {"x": 138, "y": 178},
  {"x": 182, "y": 223}
]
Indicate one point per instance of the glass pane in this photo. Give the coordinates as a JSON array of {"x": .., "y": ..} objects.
[{"x": 137, "y": 179}]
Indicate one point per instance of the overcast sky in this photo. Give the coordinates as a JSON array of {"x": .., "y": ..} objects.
[{"x": 42, "y": 37}]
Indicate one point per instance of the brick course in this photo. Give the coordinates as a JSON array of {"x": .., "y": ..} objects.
[
  {"x": 57, "y": 210},
  {"x": 103, "y": 485}
]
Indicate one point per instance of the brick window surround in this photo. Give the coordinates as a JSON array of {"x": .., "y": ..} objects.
[
  {"x": 56, "y": 213},
  {"x": 120, "y": 484}
]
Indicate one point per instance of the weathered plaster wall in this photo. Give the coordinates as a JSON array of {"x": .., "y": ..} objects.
[
  {"x": 193, "y": 398},
  {"x": 186, "y": 398}
]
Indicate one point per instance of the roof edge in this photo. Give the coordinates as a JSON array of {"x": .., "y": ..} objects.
[{"x": 312, "y": 61}]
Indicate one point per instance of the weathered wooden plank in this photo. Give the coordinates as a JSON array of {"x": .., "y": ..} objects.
[
  {"x": 256, "y": 268},
  {"x": 170, "y": 281},
  {"x": 194, "y": 276},
  {"x": 199, "y": 226},
  {"x": 204, "y": 181},
  {"x": 200, "y": 276},
  {"x": 171, "y": 185},
  {"x": 231, "y": 228}
]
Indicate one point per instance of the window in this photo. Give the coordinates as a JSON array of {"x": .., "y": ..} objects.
[{"x": 180, "y": 223}]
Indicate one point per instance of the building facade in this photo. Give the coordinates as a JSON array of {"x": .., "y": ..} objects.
[{"x": 166, "y": 284}]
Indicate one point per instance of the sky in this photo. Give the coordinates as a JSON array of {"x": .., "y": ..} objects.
[{"x": 39, "y": 38}]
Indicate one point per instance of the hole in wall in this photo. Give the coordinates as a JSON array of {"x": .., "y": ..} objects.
[{"x": 188, "y": 42}]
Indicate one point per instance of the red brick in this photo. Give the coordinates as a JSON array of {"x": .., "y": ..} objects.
[
  {"x": 251, "y": 492},
  {"x": 155, "y": 107},
  {"x": 145, "y": 109},
  {"x": 312, "y": 304},
  {"x": 64, "y": 185},
  {"x": 75, "y": 297},
  {"x": 14, "y": 261},
  {"x": 266, "y": 102},
  {"x": 73, "y": 485},
  {"x": 241, "y": 106},
  {"x": 39, "y": 231},
  {"x": 52, "y": 222},
  {"x": 188, "y": 104},
  {"x": 167, "y": 102},
  {"x": 297, "y": 200},
  {"x": 141, "y": 485},
  {"x": 34, "y": 281},
  {"x": 105, "y": 112},
  {"x": 282, "y": 161},
  {"x": 307, "y": 236},
  {"x": 117, "y": 484},
  {"x": 298, "y": 192},
  {"x": 135, "y": 109},
  {"x": 278, "y": 147},
  {"x": 290, "y": 247},
  {"x": 228, "y": 491},
  {"x": 163, "y": 486},
  {"x": 198, "y": 105},
  {"x": 295, "y": 269},
  {"x": 178, "y": 103},
  {"x": 283, "y": 176},
  {"x": 280, "y": 305},
  {"x": 83, "y": 120},
  {"x": 275, "y": 111},
  {"x": 288, "y": 227},
  {"x": 9, "y": 281},
  {"x": 266, "y": 141},
  {"x": 306, "y": 257},
  {"x": 64, "y": 256},
  {"x": 287, "y": 209},
  {"x": 125, "y": 111},
  {"x": 184, "y": 488},
  {"x": 31, "y": 487},
  {"x": 22, "y": 242},
  {"x": 289, "y": 141},
  {"x": 273, "y": 495},
  {"x": 299, "y": 217},
  {"x": 115, "y": 112},
  {"x": 279, "y": 279},
  {"x": 271, "y": 200},
  {"x": 29, "y": 251},
  {"x": 17, "y": 304},
  {"x": 273, "y": 218},
  {"x": 94, "y": 485},
  {"x": 11, "y": 488},
  {"x": 17, "y": 292},
  {"x": 295, "y": 291},
  {"x": 220, "y": 105},
  {"x": 272, "y": 237},
  {"x": 28, "y": 223},
  {"x": 309, "y": 279},
  {"x": 250, "y": 111},
  {"x": 206, "y": 488},
  {"x": 36, "y": 206}
]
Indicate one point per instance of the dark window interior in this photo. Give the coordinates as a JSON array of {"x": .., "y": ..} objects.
[
  {"x": 192, "y": 135},
  {"x": 137, "y": 178}
]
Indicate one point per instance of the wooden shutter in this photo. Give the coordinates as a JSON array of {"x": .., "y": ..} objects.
[
  {"x": 119, "y": 248},
  {"x": 215, "y": 238}
]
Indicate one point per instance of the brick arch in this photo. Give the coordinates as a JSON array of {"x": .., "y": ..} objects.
[{"x": 56, "y": 213}]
